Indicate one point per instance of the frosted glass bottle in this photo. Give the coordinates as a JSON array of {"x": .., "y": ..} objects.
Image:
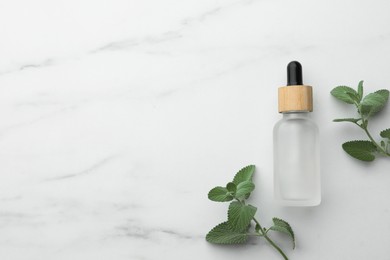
[{"x": 296, "y": 145}]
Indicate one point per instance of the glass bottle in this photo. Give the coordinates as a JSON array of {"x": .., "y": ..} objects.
[{"x": 296, "y": 144}]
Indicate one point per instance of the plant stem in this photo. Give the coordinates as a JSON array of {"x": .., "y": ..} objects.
[
  {"x": 364, "y": 126},
  {"x": 269, "y": 239},
  {"x": 264, "y": 234},
  {"x": 380, "y": 148}
]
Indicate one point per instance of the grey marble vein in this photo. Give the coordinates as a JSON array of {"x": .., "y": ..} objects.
[
  {"x": 148, "y": 40},
  {"x": 138, "y": 232},
  {"x": 31, "y": 65},
  {"x": 88, "y": 170},
  {"x": 45, "y": 63},
  {"x": 168, "y": 35}
]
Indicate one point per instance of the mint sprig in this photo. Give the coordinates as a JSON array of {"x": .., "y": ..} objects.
[
  {"x": 368, "y": 106},
  {"x": 237, "y": 229}
]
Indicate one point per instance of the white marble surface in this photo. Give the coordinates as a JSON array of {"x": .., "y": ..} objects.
[{"x": 117, "y": 117}]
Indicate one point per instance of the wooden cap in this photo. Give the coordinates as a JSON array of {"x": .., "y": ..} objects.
[{"x": 295, "y": 98}]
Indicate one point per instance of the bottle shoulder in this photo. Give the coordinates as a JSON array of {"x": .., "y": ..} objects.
[{"x": 303, "y": 122}]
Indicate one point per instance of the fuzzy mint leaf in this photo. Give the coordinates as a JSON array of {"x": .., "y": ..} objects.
[
  {"x": 223, "y": 234},
  {"x": 231, "y": 187},
  {"x": 346, "y": 94},
  {"x": 220, "y": 194},
  {"x": 384, "y": 93},
  {"x": 240, "y": 215},
  {"x": 282, "y": 226},
  {"x": 374, "y": 102},
  {"x": 385, "y": 133},
  {"x": 245, "y": 174},
  {"x": 244, "y": 188},
  {"x": 354, "y": 97},
  {"x": 360, "y": 90},
  {"x": 361, "y": 150},
  {"x": 353, "y": 120}
]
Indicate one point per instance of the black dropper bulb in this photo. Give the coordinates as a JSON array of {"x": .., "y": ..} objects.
[{"x": 294, "y": 73}]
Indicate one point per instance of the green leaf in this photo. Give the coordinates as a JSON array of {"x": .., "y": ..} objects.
[
  {"x": 360, "y": 90},
  {"x": 353, "y": 96},
  {"x": 223, "y": 234},
  {"x": 374, "y": 102},
  {"x": 282, "y": 226},
  {"x": 384, "y": 93},
  {"x": 346, "y": 94},
  {"x": 383, "y": 144},
  {"x": 220, "y": 194},
  {"x": 353, "y": 120},
  {"x": 240, "y": 215},
  {"x": 385, "y": 133},
  {"x": 231, "y": 187},
  {"x": 245, "y": 174},
  {"x": 244, "y": 188},
  {"x": 361, "y": 150}
]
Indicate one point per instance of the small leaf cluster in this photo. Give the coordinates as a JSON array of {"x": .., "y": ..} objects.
[
  {"x": 237, "y": 229},
  {"x": 367, "y": 106}
]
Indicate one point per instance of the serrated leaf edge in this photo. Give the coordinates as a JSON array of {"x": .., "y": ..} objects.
[
  {"x": 385, "y": 133},
  {"x": 244, "y": 236},
  {"x": 368, "y": 142},
  {"x": 350, "y": 92},
  {"x": 370, "y": 153},
  {"x": 284, "y": 224},
  {"x": 240, "y": 172}
]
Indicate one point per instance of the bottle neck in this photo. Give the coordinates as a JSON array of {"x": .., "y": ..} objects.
[{"x": 296, "y": 114}]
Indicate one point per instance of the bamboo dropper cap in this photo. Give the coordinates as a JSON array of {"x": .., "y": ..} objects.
[{"x": 295, "y": 97}]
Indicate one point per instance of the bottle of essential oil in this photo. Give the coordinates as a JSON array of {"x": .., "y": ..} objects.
[{"x": 296, "y": 144}]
